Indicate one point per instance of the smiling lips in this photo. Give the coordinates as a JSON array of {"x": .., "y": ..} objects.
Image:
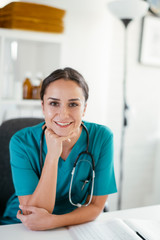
[{"x": 62, "y": 124}]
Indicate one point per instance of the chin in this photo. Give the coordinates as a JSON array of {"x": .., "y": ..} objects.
[{"x": 61, "y": 132}]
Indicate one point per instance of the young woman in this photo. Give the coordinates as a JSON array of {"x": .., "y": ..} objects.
[{"x": 52, "y": 195}]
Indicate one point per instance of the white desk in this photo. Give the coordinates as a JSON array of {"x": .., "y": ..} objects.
[
  {"x": 150, "y": 212},
  {"x": 19, "y": 232}
]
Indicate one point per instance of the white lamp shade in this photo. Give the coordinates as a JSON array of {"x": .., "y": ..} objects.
[{"x": 128, "y": 9}]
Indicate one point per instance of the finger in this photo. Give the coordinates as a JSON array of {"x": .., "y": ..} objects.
[
  {"x": 20, "y": 215},
  {"x": 67, "y": 138},
  {"x": 28, "y": 208},
  {"x": 19, "y": 212},
  {"x": 44, "y": 125},
  {"x": 50, "y": 132}
]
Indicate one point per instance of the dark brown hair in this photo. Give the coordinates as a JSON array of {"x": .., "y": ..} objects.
[{"x": 66, "y": 74}]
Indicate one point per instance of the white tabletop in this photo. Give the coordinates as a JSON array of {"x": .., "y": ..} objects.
[
  {"x": 149, "y": 212},
  {"x": 20, "y": 232}
]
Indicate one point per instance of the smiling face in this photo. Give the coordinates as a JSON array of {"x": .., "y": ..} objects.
[{"x": 63, "y": 107}]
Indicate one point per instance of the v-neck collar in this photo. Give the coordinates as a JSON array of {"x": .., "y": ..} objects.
[{"x": 77, "y": 148}]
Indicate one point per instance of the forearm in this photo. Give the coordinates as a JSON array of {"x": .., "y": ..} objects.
[
  {"x": 40, "y": 219},
  {"x": 45, "y": 192},
  {"x": 78, "y": 216}
]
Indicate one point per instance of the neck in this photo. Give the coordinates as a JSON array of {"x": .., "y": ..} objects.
[
  {"x": 67, "y": 146},
  {"x": 71, "y": 143}
]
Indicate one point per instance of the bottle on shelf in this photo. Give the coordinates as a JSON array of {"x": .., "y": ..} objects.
[
  {"x": 27, "y": 87},
  {"x": 36, "y": 88}
]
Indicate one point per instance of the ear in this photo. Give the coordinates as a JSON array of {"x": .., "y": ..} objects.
[
  {"x": 84, "y": 110},
  {"x": 42, "y": 105}
]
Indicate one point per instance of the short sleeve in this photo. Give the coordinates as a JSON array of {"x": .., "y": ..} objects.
[
  {"x": 104, "y": 171},
  {"x": 24, "y": 176}
]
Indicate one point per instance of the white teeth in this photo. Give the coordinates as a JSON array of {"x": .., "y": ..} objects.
[{"x": 63, "y": 124}]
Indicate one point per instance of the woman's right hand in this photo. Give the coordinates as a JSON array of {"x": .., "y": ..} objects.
[{"x": 55, "y": 143}]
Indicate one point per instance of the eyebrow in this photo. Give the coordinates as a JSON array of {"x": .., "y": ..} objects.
[
  {"x": 74, "y": 99},
  {"x": 55, "y": 99},
  {"x": 70, "y": 100}
]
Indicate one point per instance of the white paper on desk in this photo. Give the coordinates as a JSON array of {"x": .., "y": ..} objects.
[
  {"x": 114, "y": 229},
  {"x": 149, "y": 229}
]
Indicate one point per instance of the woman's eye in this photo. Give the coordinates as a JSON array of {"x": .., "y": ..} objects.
[
  {"x": 55, "y": 104},
  {"x": 73, "y": 105}
]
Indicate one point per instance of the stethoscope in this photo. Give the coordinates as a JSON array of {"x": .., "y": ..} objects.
[{"x": 86, "y": 152}]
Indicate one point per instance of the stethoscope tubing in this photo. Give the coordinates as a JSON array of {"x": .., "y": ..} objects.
[
  {"x": 70, "y": 190},
  {"x": 74, "y": 166}
]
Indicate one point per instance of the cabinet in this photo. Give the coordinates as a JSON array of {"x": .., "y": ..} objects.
[{"x": 22, "y": 52}]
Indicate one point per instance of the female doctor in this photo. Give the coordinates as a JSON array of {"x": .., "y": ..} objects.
[{"x": 52, "y": 197}]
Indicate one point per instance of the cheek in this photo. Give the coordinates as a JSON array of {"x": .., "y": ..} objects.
[
  {"x": 79, "y": 114},
  {"x": 48, "y": 112}
]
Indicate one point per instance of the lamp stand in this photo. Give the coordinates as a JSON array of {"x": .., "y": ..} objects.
[
  {"x": 124, "y": 114},
  {"x": 126, "y": 11}
]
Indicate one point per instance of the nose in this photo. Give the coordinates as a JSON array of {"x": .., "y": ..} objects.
[{"x": 63, "y": 113}]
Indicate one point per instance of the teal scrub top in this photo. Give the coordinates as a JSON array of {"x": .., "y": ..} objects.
[{"x": 25, "y": 166}]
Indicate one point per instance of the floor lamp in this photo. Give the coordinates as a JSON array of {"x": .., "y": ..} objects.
[{"x": 126, "y": 11}]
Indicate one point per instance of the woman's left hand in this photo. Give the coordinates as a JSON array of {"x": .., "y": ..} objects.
[{"x": 37, "y": 219}]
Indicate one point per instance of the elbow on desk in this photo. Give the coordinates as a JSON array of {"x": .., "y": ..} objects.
[{"x": 28, "y": 203}]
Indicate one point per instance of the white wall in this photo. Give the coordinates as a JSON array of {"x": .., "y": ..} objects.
[
  {"x": 86, "y": 48},
  {"x": 142, "y": 133},
  {"x": 94, "y": 46}
]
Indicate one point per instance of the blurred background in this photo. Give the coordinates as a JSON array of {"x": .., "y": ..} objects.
[{"x": 93, "y": 43}]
